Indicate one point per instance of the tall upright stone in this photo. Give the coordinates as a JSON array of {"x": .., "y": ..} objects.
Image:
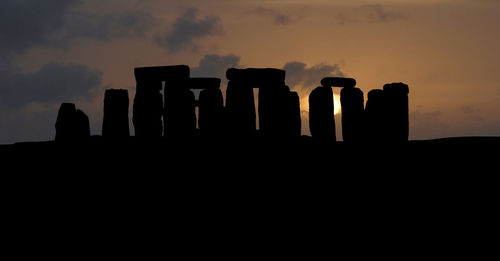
[
  {"x": 274, "y": 98},
  {"x": 376, "y": 116},
  {"x": 396, "y": 98},
  {"x": 71, "y": 124},
  {"x": 148, "y": 102},
  {"x": 147, "y": 110},
  {"x": 281, "y": 113},
  {"x": 211, "y": 105},
  {"x": 352, "y": 102},
  {"x": 292, "y": 115},
  {"x": 115, "y": 121},
  {"x": 180, "y": 112},
  {"x": 321, "y": 114},
  {"x": 65, "y": 123},
  {"x": 240, "y": 104},
  {"x": 240, "y": 108},
  {"x": 82, "y": 125}
]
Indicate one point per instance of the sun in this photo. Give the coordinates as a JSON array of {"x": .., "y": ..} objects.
[
  {"x": 304, "y": 103},
  {"x": 336, "y": 104}
]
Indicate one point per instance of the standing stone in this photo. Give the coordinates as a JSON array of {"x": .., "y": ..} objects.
[
  {"x": 82, "y": 123},
  {"x": 115, "y": 122},
  {"x": 240, "y": 108},
  {"x": 273, "y": 101},
  {"x": 292, "y": 113},
  {"x": 148, "y": 101},
  {"x": 204, "y": 83},
  {"x": 321, "y": 116},
  {"x": 210, "y": 115},
  {"x": 376, "y": 116},
  {"x": 71, "y": 124},
  {"x": 273, "y": 96},
  {"x": 352, "y": 102},
  {"x": 65, "y": 123},
  {"x": 396, "y": 98},
  {"x": 338, "y": 82},
  {"x": 147, "y": 110},
  {"x": 210, "y": 103},
  {"x": 280, "y": 113},
  {"x": 180, "y": 112}
]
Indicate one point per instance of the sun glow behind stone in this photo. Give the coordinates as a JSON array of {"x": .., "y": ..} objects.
[
  {"x": 336, "y": 104},
  {"x": 304, "y": 104}
]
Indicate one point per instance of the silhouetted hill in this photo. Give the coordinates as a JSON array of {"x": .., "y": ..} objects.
[
  {"x": 131, "y": 194},
  {"x": 208, "y": 168},
  {"x": 201, "y": 153}
]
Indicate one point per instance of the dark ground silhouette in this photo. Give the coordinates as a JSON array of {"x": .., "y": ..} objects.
[
  {"x": 253, "y": 198},
  {"x": 422, "y": 198}
]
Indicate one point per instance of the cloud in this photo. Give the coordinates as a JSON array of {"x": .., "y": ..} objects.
[
  {"x": 298, "y": 75},
  {"x": 214, "y": 65},
  {"x": 277, "y": 17},
  {"x": 52, "y": 84},
  {"x": 56, "y": 23},
  {"x": 187, "y": 28},
  {"x": 108, "y": 26},
  {"x": 21, "y": 125},
  {"x": 303, "y": 80},
  {"x": 473, "y": 112},
  {"x": 373, "y": 13},
  {"x": 30, "y": 100},
  {"x": 378, "y": 12},
  {"x": 428, "y": 125},
  {"x": 27, "y": 23}
]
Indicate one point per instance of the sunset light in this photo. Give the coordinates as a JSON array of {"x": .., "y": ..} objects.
[
  {"x": 336, "y": 104},
  {"x": 72, "y": 50}
]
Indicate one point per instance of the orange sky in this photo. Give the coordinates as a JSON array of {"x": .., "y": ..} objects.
[{"x": 446, "y": 51}]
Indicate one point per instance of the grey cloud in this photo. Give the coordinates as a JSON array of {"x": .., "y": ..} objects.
[
  {"x": 56, "y": 23},
  {"x": 297, "y": 74},
  {"x": 44, "y": 89},
  {"x": 473, "y": 112},
  {"x": 469, "y": 109},
  {"x": 434, "y": 124},
  {"x": 344, "y": 18},
  {"x": 187, "y": 28},
  {"x": 425, "y": 118},
  {"x": 428, "y": 125},
  {"x": 277, "y": 17},
  {"x": 20, "y": 126},
  {"x": 378, "y": 12},
  {"x": 52, "y": 84},
  {"x": 214, "y": 65},
  {"x": 373, "y": 13},
  {"x": 303, "y": 79},
  {"x": 107, "y": 27},
  {"x": 26, "y": 23}
]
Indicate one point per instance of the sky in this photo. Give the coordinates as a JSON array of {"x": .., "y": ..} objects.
[{"x": 56, "y": 51}]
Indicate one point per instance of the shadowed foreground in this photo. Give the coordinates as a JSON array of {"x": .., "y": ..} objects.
[{"x": 251, "y": 199}]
